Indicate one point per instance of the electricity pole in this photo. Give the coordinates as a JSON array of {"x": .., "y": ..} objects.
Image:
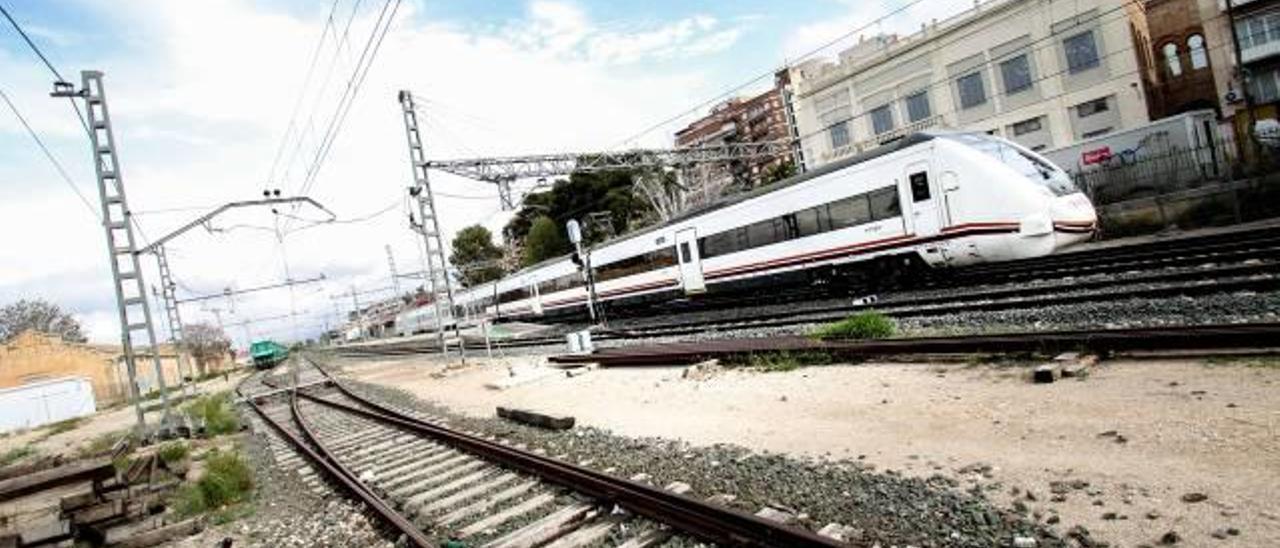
[
  {"x": 132, "y": 306},
  {"x": 429, "y": 226}
]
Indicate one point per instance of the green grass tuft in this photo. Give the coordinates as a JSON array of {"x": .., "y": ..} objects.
[
  {"x": 227, "y": 480},
  {"x": 173, "y": 451},
  {"x": 16, "y": 454},
  {"x": 102, "y": 443},
  {"x": 217, "y": 412},
  {"x": 863, "y": 325},
  {"x": 65, "y": 426},
  {"x": 778, "y": 362}
]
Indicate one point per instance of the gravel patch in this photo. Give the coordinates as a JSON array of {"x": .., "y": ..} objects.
[{"x": 880, "y": 506}]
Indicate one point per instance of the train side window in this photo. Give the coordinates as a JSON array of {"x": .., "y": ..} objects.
[
  {"x": 919, "y": 187},
  {"x": 884, "y": 203},
  {"x": 851, "y": 211},
  {"x": 764, "y": 232}
]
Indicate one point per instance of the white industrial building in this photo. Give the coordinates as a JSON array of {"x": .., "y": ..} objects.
[
  {"x": 45, "y": 402},
  {"x": 1044, "y": 73}
]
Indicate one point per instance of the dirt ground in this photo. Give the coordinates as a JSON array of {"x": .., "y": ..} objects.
[{"x": 1142, "y": 434}]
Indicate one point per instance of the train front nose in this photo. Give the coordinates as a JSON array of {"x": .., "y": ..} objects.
[{"x": 1074, "y": 219}]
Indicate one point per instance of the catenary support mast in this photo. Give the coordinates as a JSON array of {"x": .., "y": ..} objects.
[
  {"x": 137, "y": 331},
  {"x": 429, "y": 226}
]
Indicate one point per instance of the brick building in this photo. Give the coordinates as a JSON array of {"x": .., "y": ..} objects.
[
  {"x": 1174, "y": 53},
  {"x": 743, "y": 120}
]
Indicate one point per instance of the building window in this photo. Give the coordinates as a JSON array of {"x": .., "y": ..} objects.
[
  {"x": 839, "y": 134},
  {"x": 918, "y": 106},
  {"x": 1016, "y": 73},
  {"x": 1089, "y": 108},
  {"x": 1195, "y": 46},
  {"x": 1258, "y": 30},
  {"x": 1171, "y": 61},
  {"x": 1027, "y": 126},
  {"x": 972, "y": 93},
  {"x": 882, "y": 119},
  {"x": 1263, "y": 85},
  {"x": 1082, "y": 52},
  {"x": 1096, "y": 133}
]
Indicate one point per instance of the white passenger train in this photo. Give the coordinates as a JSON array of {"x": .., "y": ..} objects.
[{"x": 933, "y": 199}]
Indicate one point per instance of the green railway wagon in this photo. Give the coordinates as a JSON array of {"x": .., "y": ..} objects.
[{"x": 267, "y": 354}]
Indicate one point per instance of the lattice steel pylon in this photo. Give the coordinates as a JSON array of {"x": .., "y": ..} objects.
[
  {"x": 169, "y": 297},
  {"x": 429, "y": 226},
  {"x": 131, "y": 298}
]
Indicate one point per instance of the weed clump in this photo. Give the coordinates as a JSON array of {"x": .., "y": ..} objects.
[
  {"x": 217, "y": 413},
  {"x": 863, "y": 325},
  {"x": 227, "y": 480},
  {"x": 16, "y": 454},
  {"x": 778, "y": 362},
  {"x": 173, "y": 451},
  {"x": 65, "y": 426}
]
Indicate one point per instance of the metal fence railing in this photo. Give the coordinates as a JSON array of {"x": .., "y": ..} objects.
[{"x": 1210, "y": 185}]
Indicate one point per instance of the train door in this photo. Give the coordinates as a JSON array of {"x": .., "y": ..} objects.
[
  {"x": 690, "y": 262},
  {"x": 926, "y": 215}
]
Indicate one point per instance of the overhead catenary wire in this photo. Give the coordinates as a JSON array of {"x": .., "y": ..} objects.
[
  {"x": 57, "y": 165},
  {"x": 56, "y": 74},
  {"x": 734, "y": 89},
  {"x": 352, "y": 91},
  {"x": 302, "y": 93}
]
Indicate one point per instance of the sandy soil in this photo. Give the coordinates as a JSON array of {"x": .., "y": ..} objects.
[{"x": 1187, "y": 427}]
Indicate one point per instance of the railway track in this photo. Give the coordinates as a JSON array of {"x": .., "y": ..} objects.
[
  {"x": 1192, "y": 266},
  {"x": 427, "y": 482}
]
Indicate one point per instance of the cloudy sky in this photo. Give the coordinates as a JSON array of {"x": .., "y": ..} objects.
[{"x": 202, "y": 94}]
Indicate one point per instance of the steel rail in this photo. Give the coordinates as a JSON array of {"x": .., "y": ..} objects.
[
  {"x": 1103, "y": 341},
  {"x": 694, "y": 517},
  {"x": 338, "y": 471}
]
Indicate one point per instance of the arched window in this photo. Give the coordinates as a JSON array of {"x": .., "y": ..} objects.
[
  {"x": 1199, "y": 58},
  {"x": 1171, "y": 59}
]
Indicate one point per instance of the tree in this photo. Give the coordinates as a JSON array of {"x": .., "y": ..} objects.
[
  {"x": 42, "y": 316},
  {"x": 545, "y": 240},
  {"x": 207, "y": 343},
  {"x": 475, "y": 256},
  {"x": 575, "y": 198},
  {"x": 779, "y": 171}
]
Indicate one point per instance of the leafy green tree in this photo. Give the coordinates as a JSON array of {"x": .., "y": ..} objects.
[
  {"x": 42, "y": 316},
  {"x": 546, "y": 239},
  {"x": 475, "y": 255},
  {"x": 575, "y": 197}
]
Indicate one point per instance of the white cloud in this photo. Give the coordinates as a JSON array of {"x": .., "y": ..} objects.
[{"x": 204, "y": 93}]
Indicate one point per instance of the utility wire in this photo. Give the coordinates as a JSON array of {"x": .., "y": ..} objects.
[
  {"x": 302, "y": 93},
  {"x": 47, "y": 154},
  {"x": 700, "y": 106},
  {"x": 46, "y": 62}
]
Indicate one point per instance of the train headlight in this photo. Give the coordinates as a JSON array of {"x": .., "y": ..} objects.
[{"x": 1035, "y": 225}]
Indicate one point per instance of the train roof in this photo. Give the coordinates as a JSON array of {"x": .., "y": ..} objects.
[{"x": 883, "y": 150}]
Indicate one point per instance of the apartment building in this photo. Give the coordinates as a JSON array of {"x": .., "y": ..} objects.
[
  {"x": 754, "y": 119},
  {"x": 1044, "y": 73},
  {"x": 1177, "y": 42}
]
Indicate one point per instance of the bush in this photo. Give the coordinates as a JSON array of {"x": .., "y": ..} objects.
[
  {"x": 863, "y": 325},
  {"x": 217, "y": 413},
  {"x": 227, "y": 480},
  {"x": 173, "y": 451}
]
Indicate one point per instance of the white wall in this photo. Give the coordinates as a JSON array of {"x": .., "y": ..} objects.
[{"x": 44, "y": 402}]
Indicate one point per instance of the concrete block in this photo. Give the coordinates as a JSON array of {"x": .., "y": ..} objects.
[{"x": 1046, "y": 373}]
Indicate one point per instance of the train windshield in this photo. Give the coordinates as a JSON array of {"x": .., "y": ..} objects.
[{"x": 1035, "y": 169}]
